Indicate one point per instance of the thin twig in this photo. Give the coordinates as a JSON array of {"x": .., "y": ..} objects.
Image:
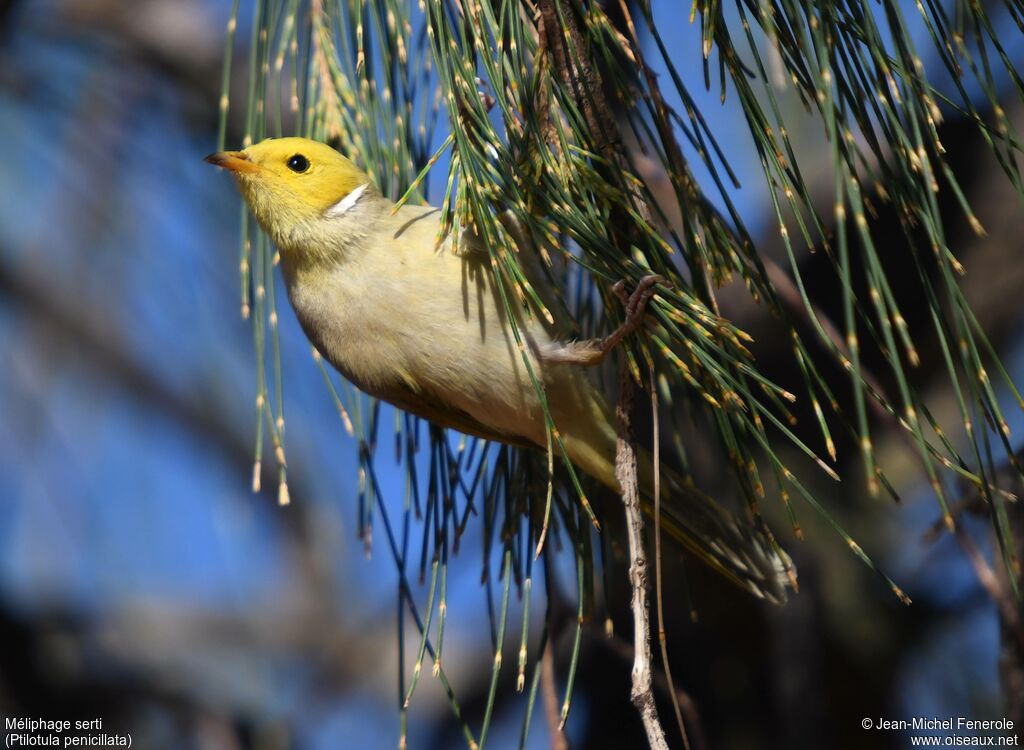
[
  {"x": 1003, "y": 599},
  {"x": 658, "y": 598},
  {"x": 551, "y": 710},
  {"x": 642, "y": 694},
  {"x": 624, "y": 650}
]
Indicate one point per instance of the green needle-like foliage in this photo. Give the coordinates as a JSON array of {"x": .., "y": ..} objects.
[{"x": 544, "y": 168}]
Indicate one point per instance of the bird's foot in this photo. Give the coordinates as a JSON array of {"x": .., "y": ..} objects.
[
  {"x": 593, "y": 352},
  {"x": 635, "y": 304}
]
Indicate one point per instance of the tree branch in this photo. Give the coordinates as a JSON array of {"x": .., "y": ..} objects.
[
  {"x": 625, "y": 472},
  {"x": 582, "y": 77}
]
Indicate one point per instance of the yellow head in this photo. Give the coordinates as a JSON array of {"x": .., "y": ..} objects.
[{"x": 291, "y": 184}]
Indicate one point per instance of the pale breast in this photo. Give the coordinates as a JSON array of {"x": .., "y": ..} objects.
[{"x": 401, "y": 316}]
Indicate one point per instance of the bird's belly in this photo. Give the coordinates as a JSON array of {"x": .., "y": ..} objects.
[{"x": 447, "y": 344}]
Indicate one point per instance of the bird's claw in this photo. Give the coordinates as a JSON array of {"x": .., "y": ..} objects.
[
  {"x": 593, "y": 352},
  {"x": 635, "y": 304}
]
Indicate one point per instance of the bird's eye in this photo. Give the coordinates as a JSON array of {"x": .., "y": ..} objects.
[{"x": 298, "y": 163}]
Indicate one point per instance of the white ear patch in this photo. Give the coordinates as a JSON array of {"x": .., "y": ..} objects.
[{"x": 342, "y": 206}]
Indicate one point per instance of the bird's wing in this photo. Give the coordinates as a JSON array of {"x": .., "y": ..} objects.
[{"x": 466, "y": 243}]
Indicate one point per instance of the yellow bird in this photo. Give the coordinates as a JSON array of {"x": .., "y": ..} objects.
[{"x": 423, "y": 328}]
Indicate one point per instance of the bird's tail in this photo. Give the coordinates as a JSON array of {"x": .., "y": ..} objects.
[{"x": 740, "y": 549}]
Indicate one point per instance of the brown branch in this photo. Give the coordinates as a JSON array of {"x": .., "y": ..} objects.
[
  {"x": 551, "y": 711},
  {"x": 688, "y": 194},
  {"x": 999, "y": 594},
  {"x": 565, "y": 44}
]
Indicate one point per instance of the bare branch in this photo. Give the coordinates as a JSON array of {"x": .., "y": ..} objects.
[{"x": 625, "y": 472}]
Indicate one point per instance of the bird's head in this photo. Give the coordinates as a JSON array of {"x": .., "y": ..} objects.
[{"x": 294, "y": 185}]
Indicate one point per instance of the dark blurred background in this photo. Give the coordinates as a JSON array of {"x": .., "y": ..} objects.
[{"x": 143, "y": 583}]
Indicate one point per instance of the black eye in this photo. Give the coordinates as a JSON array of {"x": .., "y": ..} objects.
[{"x": 298, "y": 163}]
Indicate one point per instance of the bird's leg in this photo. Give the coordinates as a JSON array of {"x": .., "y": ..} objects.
[{"x": 592, "y": 352}]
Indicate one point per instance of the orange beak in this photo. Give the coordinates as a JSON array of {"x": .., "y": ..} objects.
[{"x": 235, "y": 161}]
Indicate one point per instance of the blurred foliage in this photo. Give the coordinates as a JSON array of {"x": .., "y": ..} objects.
[{"x": 540, "y": 99}]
